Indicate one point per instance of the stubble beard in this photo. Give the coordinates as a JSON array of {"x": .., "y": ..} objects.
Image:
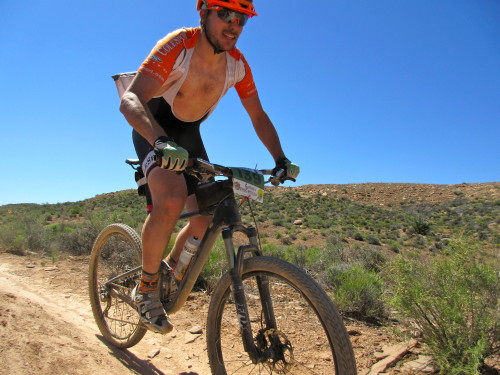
[{"x": 216, "y": 41}]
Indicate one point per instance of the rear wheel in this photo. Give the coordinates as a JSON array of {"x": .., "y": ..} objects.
[
  {"x": 309, "y": 337},
  {"x": 117, "y": 250}
]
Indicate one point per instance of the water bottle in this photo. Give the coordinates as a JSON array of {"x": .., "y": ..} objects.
[{"x": 186, "y": 256}]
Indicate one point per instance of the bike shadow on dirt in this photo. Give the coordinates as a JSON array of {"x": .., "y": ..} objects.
[{"x": 134, "y": 363}]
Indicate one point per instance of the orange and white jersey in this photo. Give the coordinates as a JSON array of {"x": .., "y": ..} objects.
[{"x": 169, "y": 62}]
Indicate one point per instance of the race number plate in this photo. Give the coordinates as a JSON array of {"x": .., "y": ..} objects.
[{"x": 249, "y": 183}]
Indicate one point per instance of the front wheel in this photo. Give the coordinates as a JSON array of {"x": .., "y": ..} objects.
[
  {"x": 116, "y": 255},
  {"x": 309, "y": 336}
]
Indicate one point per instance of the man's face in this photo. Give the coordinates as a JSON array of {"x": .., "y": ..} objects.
[{"x": 223, "y": 34}]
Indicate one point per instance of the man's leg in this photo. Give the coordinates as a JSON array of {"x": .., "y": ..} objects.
[
  {"x": 169, "y": 193},
  {"x": 196, "y": 227}
]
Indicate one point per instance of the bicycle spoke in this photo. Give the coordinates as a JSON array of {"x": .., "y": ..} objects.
[
  {"x": 114, "y": 273},
  {"x": 310, "y": 351},
  {"x": 305, "y": 334}
]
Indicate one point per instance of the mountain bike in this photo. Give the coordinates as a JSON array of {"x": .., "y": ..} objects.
[{"x": 265, "y": 315}]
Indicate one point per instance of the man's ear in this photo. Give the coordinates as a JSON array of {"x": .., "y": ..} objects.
[{"x": 203, "y": 16}]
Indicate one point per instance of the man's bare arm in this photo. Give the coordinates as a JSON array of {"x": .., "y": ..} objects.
[
  {"x": 134, "y": 107},
  {"x": 263, "y": 126}
]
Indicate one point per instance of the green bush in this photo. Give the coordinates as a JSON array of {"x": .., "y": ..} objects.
[
  {"x": 373, "y": 240},
  {"x": 297, "y": 255},
  {"x": 12, "y": 239},
  {"x": 421, "y": 226},
  {"x": 78, "y": 241},
  {"x": 273, "y": 250},
  {"x": 358, "y": 291},
  {"x": 453, "y": 299},
  {"x": 26, "y": 234},
  {"x": 214, "y": 268},
  {"x": 369, "y": 257}
]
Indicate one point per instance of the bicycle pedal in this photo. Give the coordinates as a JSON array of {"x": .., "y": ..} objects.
[{"x": 104, "y": 297}]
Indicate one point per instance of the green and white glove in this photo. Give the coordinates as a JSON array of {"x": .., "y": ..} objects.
[
  {"x": 169, "y": 155},
  {"x": 292, "y": 170}
]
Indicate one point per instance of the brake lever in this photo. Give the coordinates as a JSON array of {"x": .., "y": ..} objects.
[{"x": 278, "y": 178}]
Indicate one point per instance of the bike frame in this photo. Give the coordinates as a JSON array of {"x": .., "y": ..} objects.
[{"x": 226, "y": 221}]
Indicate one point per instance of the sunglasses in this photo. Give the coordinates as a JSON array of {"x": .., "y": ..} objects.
[{"x": 228, "y": 15}]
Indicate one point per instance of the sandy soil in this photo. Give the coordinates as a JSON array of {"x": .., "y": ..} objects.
[{"x": 47, "y": 327}]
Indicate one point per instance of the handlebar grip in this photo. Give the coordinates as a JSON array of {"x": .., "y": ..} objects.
[{"x": 278, "y": 178}]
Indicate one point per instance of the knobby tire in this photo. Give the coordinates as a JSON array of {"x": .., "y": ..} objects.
[
  {"x": 306, "y": 319},
  {"x": 116, "y": 250}
]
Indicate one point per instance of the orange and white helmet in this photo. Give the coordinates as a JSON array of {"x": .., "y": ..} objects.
[{"x": 242, "y": 6}]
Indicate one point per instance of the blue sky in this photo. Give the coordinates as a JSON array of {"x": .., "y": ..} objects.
[{"x": 360, "y": 91}]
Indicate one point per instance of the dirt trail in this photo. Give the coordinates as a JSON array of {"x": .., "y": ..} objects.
[{"x": 46, "y": 326}]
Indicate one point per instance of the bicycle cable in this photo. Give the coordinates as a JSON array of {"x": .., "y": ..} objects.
[{"x": 245, "y": 199}]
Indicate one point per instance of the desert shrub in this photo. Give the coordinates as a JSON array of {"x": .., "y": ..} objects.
[
  {"x": 78, "y": 241},
  {"x": 314, "y": 256},
  {"x": 420, "y": 225},
  {"x": 416, "y": 241},
  {"x": 358, "y": 236},
  {"x": 453, "y": 299},
  {"x": 274, "y": 250},
  {"x": 12, "y": 239},
  {"x": 25, "y": 234},
  {"x": 297, "y": 255},
  {"x": 394, "y": 246},
  {"x": 35, "y": 238},
  {"x": 214, "y": 267},
  {"x": 373, "y": 240},
  {"x": 369, "y": 257},
  {"x": 279, "y": 222},
  {"x": 99, "y": 220},
  {"x": 330, "y": 254},
  {"x": 358, "y": 291}
]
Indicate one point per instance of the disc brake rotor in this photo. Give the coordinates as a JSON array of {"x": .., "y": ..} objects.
[{"x": 276, "y": 349}]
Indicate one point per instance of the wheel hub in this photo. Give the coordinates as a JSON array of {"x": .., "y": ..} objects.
[{"x": 276, "y": 350}]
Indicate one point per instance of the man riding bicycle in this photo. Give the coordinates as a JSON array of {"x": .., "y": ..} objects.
[{"x": 176, "y": 88}]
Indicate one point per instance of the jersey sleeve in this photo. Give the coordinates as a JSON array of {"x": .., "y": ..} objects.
[
  {"x": 161, "y": 60},
  {"x": 245, "y": 87}
]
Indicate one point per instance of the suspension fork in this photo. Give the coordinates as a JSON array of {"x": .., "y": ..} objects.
[
  {"x": 236, "y": 267},
  {"x": 263, "y": 285}
]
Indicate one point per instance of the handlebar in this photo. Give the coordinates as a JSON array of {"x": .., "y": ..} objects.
[{"x": 201, "y": 168}]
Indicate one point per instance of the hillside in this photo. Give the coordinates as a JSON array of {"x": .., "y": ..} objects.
[
  {"x": 393, "y": 216},
  {"x": 396, "y": 195},
  {"x": 365, "y": 222}
]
